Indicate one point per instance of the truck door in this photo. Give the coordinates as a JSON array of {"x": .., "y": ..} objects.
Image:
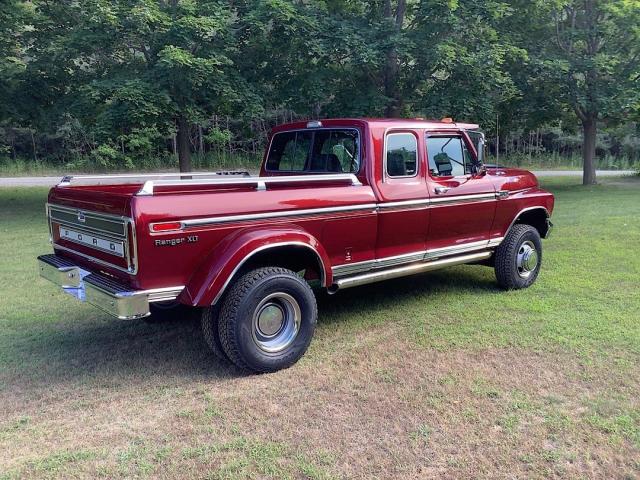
[
  {"x": 403, "y": 213},
  {"x": 462, "y": 204}
]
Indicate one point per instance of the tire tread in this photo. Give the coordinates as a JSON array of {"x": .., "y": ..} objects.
[
  {"x": 209, "y": 319},
  {"x": 504, "y": 257},
  {"x": 229, "y": 313}
]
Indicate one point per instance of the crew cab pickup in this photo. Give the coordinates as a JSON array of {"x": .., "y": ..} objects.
[{"x": 338, "y": 203}]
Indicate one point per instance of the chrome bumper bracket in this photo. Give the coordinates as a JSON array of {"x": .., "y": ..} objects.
[{"x": 101, "y": 291}]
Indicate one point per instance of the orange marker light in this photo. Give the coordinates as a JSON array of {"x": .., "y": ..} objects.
[{"x": 447, "y": 120}]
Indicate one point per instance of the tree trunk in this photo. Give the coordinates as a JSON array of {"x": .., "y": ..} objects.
[
  {"x": 184, "y": 149},
  {"x": 589, "y": 128},
  {"x": 33, "y": 143},
  {"x": 392, "y": 66}
]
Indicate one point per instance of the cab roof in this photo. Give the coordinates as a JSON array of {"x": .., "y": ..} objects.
[{"x": 421, "y": 123}]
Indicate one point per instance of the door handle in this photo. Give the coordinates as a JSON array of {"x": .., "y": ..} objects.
[{"x": 441, "y": 190}]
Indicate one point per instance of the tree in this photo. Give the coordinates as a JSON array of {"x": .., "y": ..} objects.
[
  {"x": 135, "y": 69},
  {"x": 595, "y": 58}
]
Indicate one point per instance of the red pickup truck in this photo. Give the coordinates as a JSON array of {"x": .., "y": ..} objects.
[{"x": 338, "y": 203}]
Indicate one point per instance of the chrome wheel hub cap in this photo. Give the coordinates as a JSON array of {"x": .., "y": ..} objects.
[
  {"x": 527, "y": 259},
  {"x": 276, "y": 322}
]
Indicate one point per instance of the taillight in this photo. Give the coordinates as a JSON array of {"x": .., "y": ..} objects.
[{"x": 165, "y": 227}]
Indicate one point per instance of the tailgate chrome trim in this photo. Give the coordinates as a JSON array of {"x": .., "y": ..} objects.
[{"x": 128, "y": 237}]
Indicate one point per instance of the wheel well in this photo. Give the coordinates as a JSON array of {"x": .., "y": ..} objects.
[
  {"x": 292, "y": 257},
  {"x": 537, "y": 218}
]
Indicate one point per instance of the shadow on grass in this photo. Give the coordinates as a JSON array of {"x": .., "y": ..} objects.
[
  {"x": 103, "y": 351},
  {"x": 100, "y": 351},
  {"x": 390, "y": 294}
]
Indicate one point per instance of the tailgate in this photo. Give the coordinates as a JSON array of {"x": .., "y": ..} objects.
[{"x": 94, "y": 225}]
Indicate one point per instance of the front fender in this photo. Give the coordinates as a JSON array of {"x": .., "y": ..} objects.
[{"x": 209, "y": 282}]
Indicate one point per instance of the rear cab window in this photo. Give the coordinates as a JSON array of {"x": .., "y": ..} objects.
[
  {"x": 330, "y": 150},
  {"x": 401, "y": 155}
]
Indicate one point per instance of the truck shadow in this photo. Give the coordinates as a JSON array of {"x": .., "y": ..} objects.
[
  {"x": 105, "y": 352},
  {"x": 391, "y": 294}
]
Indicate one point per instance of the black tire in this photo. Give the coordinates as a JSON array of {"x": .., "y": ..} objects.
[
  {"x": 514, "y": 263},
  {"x": 209, "y": 322},
  {"x": 265, "y": 298}
]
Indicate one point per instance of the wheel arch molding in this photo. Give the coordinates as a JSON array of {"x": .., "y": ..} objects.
[
  {"x": 290, "y": 248},
  {"x": 536, "y": 216}
]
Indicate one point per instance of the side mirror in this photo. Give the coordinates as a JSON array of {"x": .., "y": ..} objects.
[{"x": 480, "y": 169}]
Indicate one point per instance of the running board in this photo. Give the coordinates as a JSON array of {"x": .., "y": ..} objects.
[{"x": 412, "y": 269}]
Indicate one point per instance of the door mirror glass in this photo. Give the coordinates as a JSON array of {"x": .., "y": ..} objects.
[
  {"x": 448, "y": 156},
  {"x": 481, "y": 150}
]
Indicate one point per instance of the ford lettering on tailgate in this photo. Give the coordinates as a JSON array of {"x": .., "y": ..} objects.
[{"x": 116, "y": 248}]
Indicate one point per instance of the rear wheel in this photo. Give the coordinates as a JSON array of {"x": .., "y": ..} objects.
[
  {"x": 267, "y": 320},
  {"x": 209, "y": 322},
  {"x": 518, "y": 258}
]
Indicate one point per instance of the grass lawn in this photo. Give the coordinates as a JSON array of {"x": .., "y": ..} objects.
[{"x": 438, "y": 375}]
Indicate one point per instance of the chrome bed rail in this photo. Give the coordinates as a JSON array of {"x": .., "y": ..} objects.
[
  {"x": 68, "y": 180},
  {"x": 152, "y": 180}
]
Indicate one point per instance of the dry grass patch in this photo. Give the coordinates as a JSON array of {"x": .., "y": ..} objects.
[{"x": 385, "y": 408}]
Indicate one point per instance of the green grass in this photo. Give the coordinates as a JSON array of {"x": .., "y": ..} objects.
[
  {"x": 555, "y": 161},
  {"x": 587, "y": 299},
  {"x": 536, "y": 383}
]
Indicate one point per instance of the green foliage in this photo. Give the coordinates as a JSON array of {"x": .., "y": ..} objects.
[{"x": 116, "y": 84}]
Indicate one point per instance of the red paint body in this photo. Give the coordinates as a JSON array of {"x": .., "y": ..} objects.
[{"x": 339, "y": 238}]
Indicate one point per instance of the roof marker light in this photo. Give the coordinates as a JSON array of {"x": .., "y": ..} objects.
[
  {"x": 314, "y": 124},
  {"x": 447, "y": 120}
]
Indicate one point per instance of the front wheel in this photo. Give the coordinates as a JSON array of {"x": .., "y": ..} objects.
[
  {"x": 518, "y": 258},
  {"x": 267, "y": 320}
]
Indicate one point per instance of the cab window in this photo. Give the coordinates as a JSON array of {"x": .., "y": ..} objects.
[
  {"x": 315, "y": 151},
  {"x": 289, "y": 151},
  {"x": 448, "y": 156},
  {"x": 402, "y": 155}
]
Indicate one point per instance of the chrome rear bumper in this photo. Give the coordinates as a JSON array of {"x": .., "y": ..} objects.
[{"x": 101, "y": 291}]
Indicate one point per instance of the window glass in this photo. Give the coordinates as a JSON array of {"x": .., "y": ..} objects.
[
  {"x": 448, "y": 156},
  {"x": 402, "y": 155},
  {"x": 327, "y": 150},
  {"x": 289, "y": 151},
  {"x": 475, "y": 138},
  {"x": 335, "y": 151}
]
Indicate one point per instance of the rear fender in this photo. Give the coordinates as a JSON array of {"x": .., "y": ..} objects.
[{"x": 216, "y": 272}]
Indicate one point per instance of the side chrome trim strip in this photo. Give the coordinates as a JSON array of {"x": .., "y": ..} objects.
[
  {"x": 494, "y": 242},
  {"x": 198, "y": 222},
  {"x": 419, "y": 256},
  {"x": 464, "y": 198},
  {"x": 387, "y": 274},
  {"x": 323, "y": 275},
  {"x": 374, "y": 207},
  {"x": 404, "y": 203}
]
